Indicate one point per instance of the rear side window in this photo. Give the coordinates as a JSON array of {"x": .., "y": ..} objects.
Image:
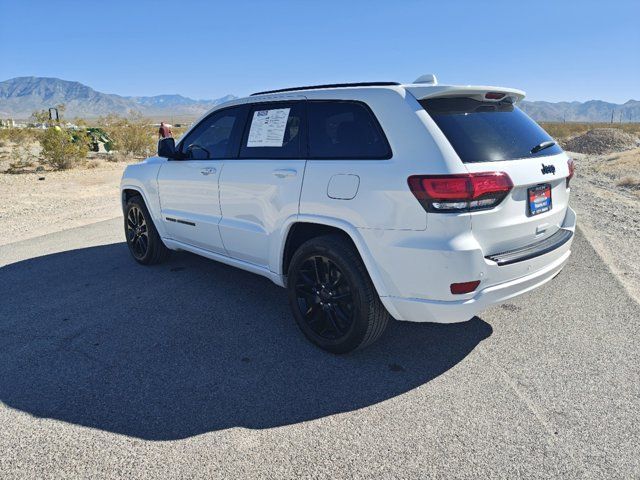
[
  {"x": 488, "y": 131},
  {"x": 343, "y": 130},
  {"x": 274, "y": 130},
  {"x": 216, "y": 137}
]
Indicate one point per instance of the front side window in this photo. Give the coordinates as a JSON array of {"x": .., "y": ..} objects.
[
  {"x": 274, "y": 130},
  {"x": 344, "y": 130},
  {"x": 489, "y": 131},
  {"x": 216, "y": 137}
]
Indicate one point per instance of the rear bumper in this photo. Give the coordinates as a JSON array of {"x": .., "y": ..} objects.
[
  {"x": 499, "y": 281},
  {"x": 550, "y": 244},
  {"x": 418, "y": 310}
]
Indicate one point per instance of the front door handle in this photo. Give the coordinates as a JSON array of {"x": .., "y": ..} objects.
[
  {"x": 208, "y": 171},
  {"x": 285, "y": 173}
]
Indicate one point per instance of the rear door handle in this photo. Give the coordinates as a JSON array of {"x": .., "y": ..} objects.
[
  {"x": 208, "y": 171},
  {"x": 285, "y": 173}
]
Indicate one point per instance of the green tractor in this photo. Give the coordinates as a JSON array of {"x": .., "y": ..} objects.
[
  {"x": 98, "y": 136},
  {"x": 93, "y": 136}
]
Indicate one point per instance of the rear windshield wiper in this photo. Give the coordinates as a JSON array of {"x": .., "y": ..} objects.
[{"x": 542, "y": 146}]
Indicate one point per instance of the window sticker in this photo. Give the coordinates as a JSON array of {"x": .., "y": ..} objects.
[{"x": 267, "y": 128}]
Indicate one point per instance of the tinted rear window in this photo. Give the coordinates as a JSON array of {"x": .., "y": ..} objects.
[
  {"x": 343, "y": 130},
  {"x": 487, "y": 131}
]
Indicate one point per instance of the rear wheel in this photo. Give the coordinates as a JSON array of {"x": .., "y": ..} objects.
[
  {"x": 332, "y": 297},
  {"x": 142, "y": 237}
]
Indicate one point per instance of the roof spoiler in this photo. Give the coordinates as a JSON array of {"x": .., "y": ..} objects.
[{"x": 482, "y": 93}]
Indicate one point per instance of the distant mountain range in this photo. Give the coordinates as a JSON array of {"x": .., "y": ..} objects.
[
  {"x": 21, "y": 96},
  {"x": 591, "y": 111}
]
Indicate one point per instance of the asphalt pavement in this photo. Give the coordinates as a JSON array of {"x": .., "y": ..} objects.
[{"x": 194, "y": 369}]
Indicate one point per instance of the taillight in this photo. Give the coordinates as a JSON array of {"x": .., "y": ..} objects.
[
  {"x": 494, "y": 95},
  {"x": 459, "y": 193},
  {"x": 572, "y": 169}
]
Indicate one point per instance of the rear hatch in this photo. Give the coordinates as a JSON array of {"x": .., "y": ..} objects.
[{"x": 494, "y": 135}]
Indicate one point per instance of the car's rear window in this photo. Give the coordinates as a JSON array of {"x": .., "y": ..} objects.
[{"x": 488, "y": 131}]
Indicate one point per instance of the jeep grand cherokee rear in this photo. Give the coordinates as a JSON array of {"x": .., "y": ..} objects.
[{"x": 508, "y": 217}]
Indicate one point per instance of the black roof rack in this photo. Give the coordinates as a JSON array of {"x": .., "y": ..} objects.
[{"x": 331, "y": 85}]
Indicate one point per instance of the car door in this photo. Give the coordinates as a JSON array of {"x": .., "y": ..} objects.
[
  {"x": 188, "y": 187},
  {"x": 261, "y": 189}
]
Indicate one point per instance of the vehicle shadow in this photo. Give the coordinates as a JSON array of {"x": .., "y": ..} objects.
[{"x": 89, "y": 337}]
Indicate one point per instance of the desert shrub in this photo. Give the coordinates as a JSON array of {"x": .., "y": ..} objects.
[
  {"x": 20, "y": 166},
  {"x": 21, "y": 142},
  {"x": 130, "y": 136},
  {"x": 60, "y": 150},
  {"x": 22, "y": 159},
  {"x": 42, "y": 116},
  {"x": 17, "y": 135}
]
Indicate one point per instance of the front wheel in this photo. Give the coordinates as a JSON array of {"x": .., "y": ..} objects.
[
  {"x": 143, "y": 239},
  {"x": 332, "y": 297}
]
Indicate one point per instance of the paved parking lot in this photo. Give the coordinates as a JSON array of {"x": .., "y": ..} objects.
[{"x": 196, "y": 369}]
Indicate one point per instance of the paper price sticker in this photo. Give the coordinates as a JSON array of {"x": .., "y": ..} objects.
[{"x": 267, "y": 128}]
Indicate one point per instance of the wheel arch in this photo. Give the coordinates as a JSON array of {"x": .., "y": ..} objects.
[
  {"x": 305, "y": 227},
  {"x": 129, "y": 189},
  {"x": 130, "y": 192}
]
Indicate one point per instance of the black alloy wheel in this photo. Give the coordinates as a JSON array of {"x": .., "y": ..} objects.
[
  {"x": 332, "y": 297},
  {"x": 143, "y": 239},
  {"x": 324, "y": 298},
  {"x": 137, "y": 232}
]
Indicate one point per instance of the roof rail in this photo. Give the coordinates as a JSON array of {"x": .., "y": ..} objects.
[{"x": 331, "y": 85}]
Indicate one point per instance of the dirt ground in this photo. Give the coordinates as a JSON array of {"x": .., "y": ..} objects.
[
  {"x": 606, "y": 197},
  {"x": 34, "y": 204}
]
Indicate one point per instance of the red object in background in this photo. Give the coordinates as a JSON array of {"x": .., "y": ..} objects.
[{"x": 164, "y": 131}]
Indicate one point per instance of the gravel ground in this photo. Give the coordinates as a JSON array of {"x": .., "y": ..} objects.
[
  {"x": 30, "y": 207},
  {"x": 601, "y": 141},
  {"x": 610, "y": 214}
]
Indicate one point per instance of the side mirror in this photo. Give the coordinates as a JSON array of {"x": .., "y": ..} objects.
[{"x": 167, "y": 148}]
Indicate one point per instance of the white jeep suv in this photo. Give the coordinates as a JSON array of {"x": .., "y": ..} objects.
[{"x": 421, "y": 202}]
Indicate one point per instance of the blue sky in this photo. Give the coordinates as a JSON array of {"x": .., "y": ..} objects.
[{"x": 553, "y": 50}]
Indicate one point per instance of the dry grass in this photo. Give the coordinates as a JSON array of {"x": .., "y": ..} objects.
[
  {"x": 561, "y": 130},
  {"x": 622, "y": 168},
  {"x": 621, "y": 162},
  {"x": 629, "y": 182}
]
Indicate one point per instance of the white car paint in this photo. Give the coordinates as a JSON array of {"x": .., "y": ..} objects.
[
  {"x": 244, "y": 209},
  {"x": 189, "y": 192},
  {"x": 257, "y": 196}
]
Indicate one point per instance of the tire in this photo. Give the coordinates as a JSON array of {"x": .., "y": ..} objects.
[
  {"x": 337, "y": 308},
  {"x": 143, "y": 240}
]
